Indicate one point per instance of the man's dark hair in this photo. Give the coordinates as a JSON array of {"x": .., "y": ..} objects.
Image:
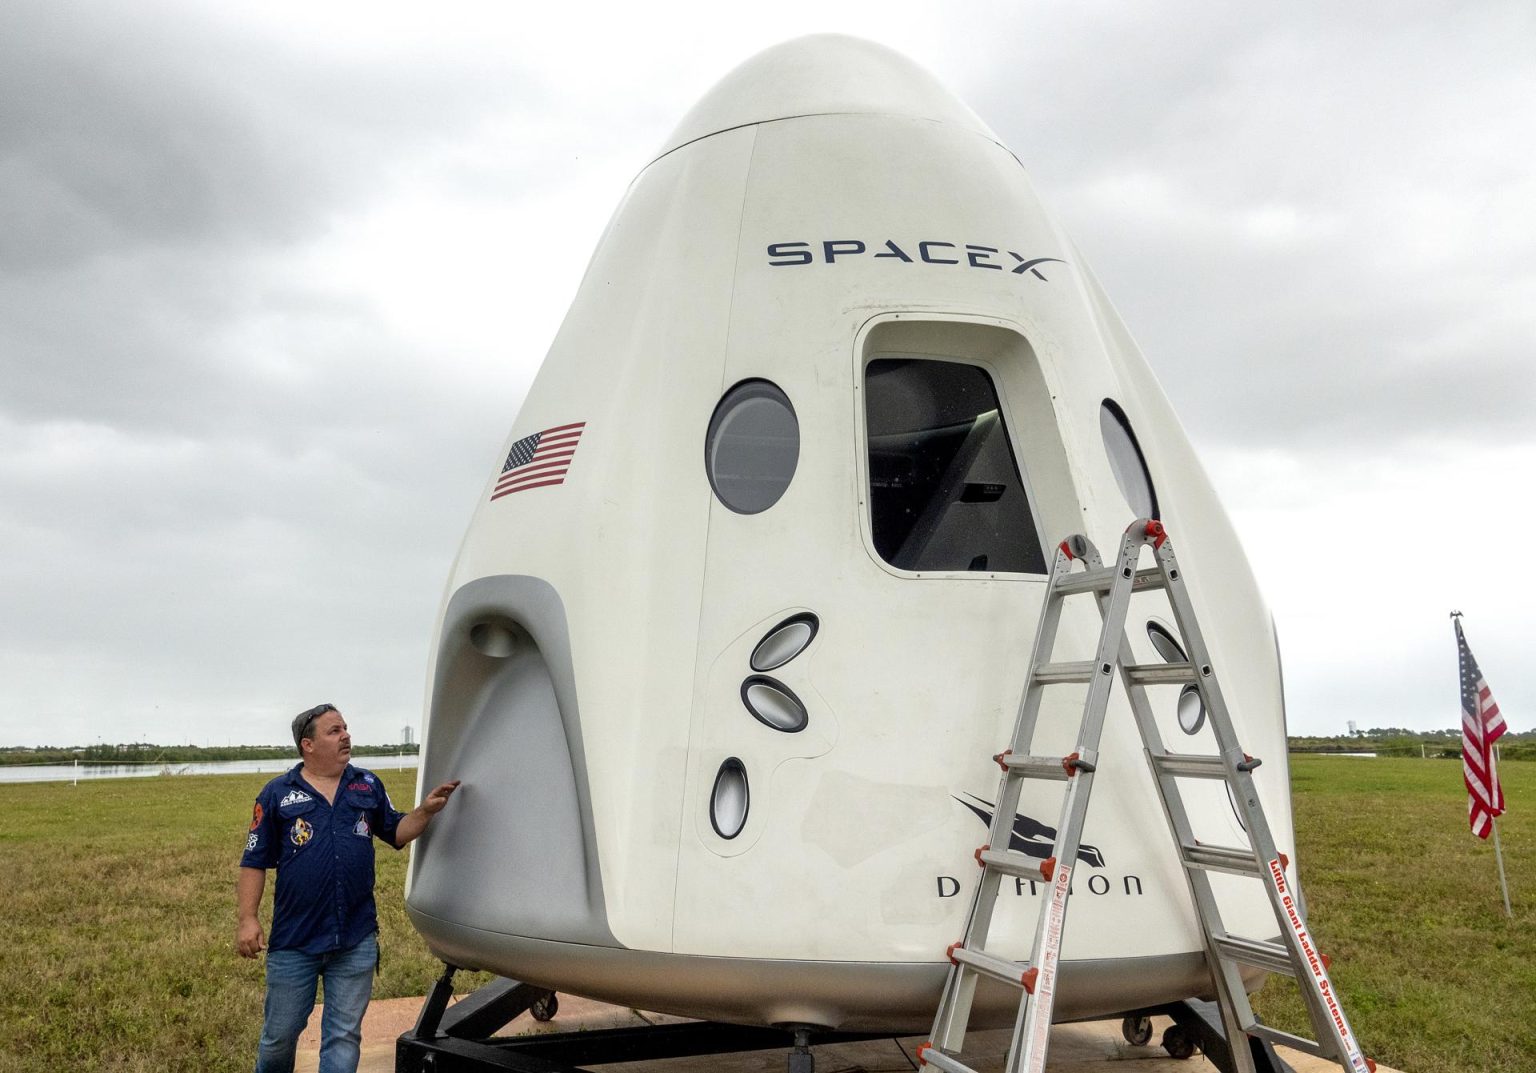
[{"x": 304, "y": 724}]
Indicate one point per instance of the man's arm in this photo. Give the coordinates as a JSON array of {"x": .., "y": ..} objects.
[
  {"x": 415, "y": 821},
  {"x": 248, "y": 887}
]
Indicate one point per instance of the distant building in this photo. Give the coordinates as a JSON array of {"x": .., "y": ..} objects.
[
  {"x": 1352, "y": 730},
  {"x": 407, "y": 735}
]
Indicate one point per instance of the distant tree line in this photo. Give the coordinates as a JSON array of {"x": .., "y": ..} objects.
[
  {"x": 1383, "y": 741},
  {"x": 145, "y": 753},
  {"x": 1398, "y": 741}
]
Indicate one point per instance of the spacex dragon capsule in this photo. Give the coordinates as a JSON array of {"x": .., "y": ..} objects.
[{"x": 746, "y": 606}]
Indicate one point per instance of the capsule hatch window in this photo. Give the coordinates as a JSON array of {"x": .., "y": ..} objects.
[{"x": 945, "y": 491}]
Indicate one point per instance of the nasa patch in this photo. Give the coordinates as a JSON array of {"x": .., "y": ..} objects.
[
  {"x": 361, "y": 828},
  {"x": 294, "y": 797},
  {"x": 256, "y": 815},
  {"x": 301, "y": 833}
]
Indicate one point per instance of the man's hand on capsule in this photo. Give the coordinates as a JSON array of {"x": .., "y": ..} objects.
[{"x": 434, "y": 801}]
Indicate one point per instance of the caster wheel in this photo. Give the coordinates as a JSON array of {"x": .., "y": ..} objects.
[
  {"x": 546, "y": 1008},
  {"x": 1179, "y": 1042},
  {"x": 1137, "y": 1031}
]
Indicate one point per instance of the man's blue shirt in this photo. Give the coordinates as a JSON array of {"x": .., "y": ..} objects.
[{"x": 323, "y": 854}]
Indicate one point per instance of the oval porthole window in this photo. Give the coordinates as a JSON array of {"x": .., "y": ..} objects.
[
  {"x": 729, "y": 799},
  {"x": 1127, "y": 461},
  {"x": 784, "y": 642},
  {"x": 752, "y": 446},
  {"x": 1191, "y": 709},
  {"x": 773, "y": 704},
  {"x": 1162, "y": 640}
]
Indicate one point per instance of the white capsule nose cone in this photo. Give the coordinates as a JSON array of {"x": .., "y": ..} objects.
[{"x": 825, "y": 74}]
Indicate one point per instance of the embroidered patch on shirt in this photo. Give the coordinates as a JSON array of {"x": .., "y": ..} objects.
[
  {"x": 294, "y": 797},
  {"x": 364, "y": 786},
  {"x": 301, "y": 832},
  {"x": 250, "y": 843},
  {"x": 361, "y": 827},
  {"x": 256, "y": 817}
]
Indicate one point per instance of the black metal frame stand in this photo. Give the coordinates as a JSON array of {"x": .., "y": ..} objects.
[
  {"x": 1200, "y": 1022},
  {"x": 462, "y": 1039}
]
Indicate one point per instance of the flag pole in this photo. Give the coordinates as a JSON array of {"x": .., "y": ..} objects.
[{"x": 1498, "y": 852}]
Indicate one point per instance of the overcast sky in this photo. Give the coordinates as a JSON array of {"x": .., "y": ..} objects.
[{"x": 274, "y": 280}]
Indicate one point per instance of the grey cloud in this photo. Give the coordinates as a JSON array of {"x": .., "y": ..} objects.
[
  {"x": 1308, "y": 228},
  {"x": 126, "y": 127}
]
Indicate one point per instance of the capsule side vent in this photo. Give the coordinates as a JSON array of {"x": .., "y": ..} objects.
[
  {"x": 784, "y": 642},
  {"x": 730, "y": 799},
  {"x": 493, "y": 639},
  {"x": 773, "y": 704}
]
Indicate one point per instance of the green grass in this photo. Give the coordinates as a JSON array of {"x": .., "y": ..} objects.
[
  {"x": 118, "y": 949},
  {"x": 1406, "y": 902},
  {"x": 117, "y": 953}
]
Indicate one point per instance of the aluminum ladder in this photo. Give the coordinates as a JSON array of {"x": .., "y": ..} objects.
[{"x": 1292, "y": 952}]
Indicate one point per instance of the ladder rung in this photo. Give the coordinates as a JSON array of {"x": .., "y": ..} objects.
[
  {"x": 1101, "y": 580},
  {"x": 1008, "y": 972},
  {"x": 1189, "y": 765},
  {"x": 1264, "y": 955},
  {"x": 1285, "y": 1039},
  {"x": 1034, "y": 767},
  {"x": 1222, "y": 859},
  {"x": 1160, "y": 674},
  {"x": 932, "y": 1056},
  {"x": 1058, "y": 673},
  {"x": 1013, "y": 864}
]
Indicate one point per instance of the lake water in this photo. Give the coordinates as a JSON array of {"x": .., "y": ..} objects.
[{"x": 84, "y": 771}]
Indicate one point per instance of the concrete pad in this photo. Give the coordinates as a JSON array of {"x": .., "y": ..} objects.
[{"x": 1080, "y": 1048}]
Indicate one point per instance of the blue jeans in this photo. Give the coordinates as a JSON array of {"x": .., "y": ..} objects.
[{"x": 291, "y": 979}]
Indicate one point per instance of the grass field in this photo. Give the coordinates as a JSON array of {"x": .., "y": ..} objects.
[
  {"x": 117, "y": 951},
  {"x": 1406, "y": 901}
]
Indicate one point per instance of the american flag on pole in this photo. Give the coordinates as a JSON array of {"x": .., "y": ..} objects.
[
  {"x": 538, "y": 461},
  {"x": 1481, "y": 726}
]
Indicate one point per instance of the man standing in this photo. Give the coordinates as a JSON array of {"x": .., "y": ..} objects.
[{"x": 315, "y": 825}]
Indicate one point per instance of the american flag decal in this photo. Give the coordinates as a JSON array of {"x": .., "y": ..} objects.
[{"x": 538, "y": 461}]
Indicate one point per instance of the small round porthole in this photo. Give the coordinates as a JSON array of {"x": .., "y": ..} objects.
[
  {"x": 1126, "y": 460},
  {"x": 1162, "y": 640},
  {"x": 752, "y": 446},
  {"x": 1191, "y": 708},
  {"x": 729, "y": 800},
  {"x": 784, "y": 642},
  {"x": 773, "y": 704}
]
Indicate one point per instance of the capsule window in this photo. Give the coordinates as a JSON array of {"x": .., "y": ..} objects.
[
  {"x": 1127, "y": 461},
  {"x": 784, "y": 642},
  {"x": 729, "y": 800},
  {"x": 1162, "y": 640},
  {"x": 773, "y": 704},
  {"x": 752, "y": 446},
  {"x": 1191, "y": 709},
  {"x": 945, "y": 491}
]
